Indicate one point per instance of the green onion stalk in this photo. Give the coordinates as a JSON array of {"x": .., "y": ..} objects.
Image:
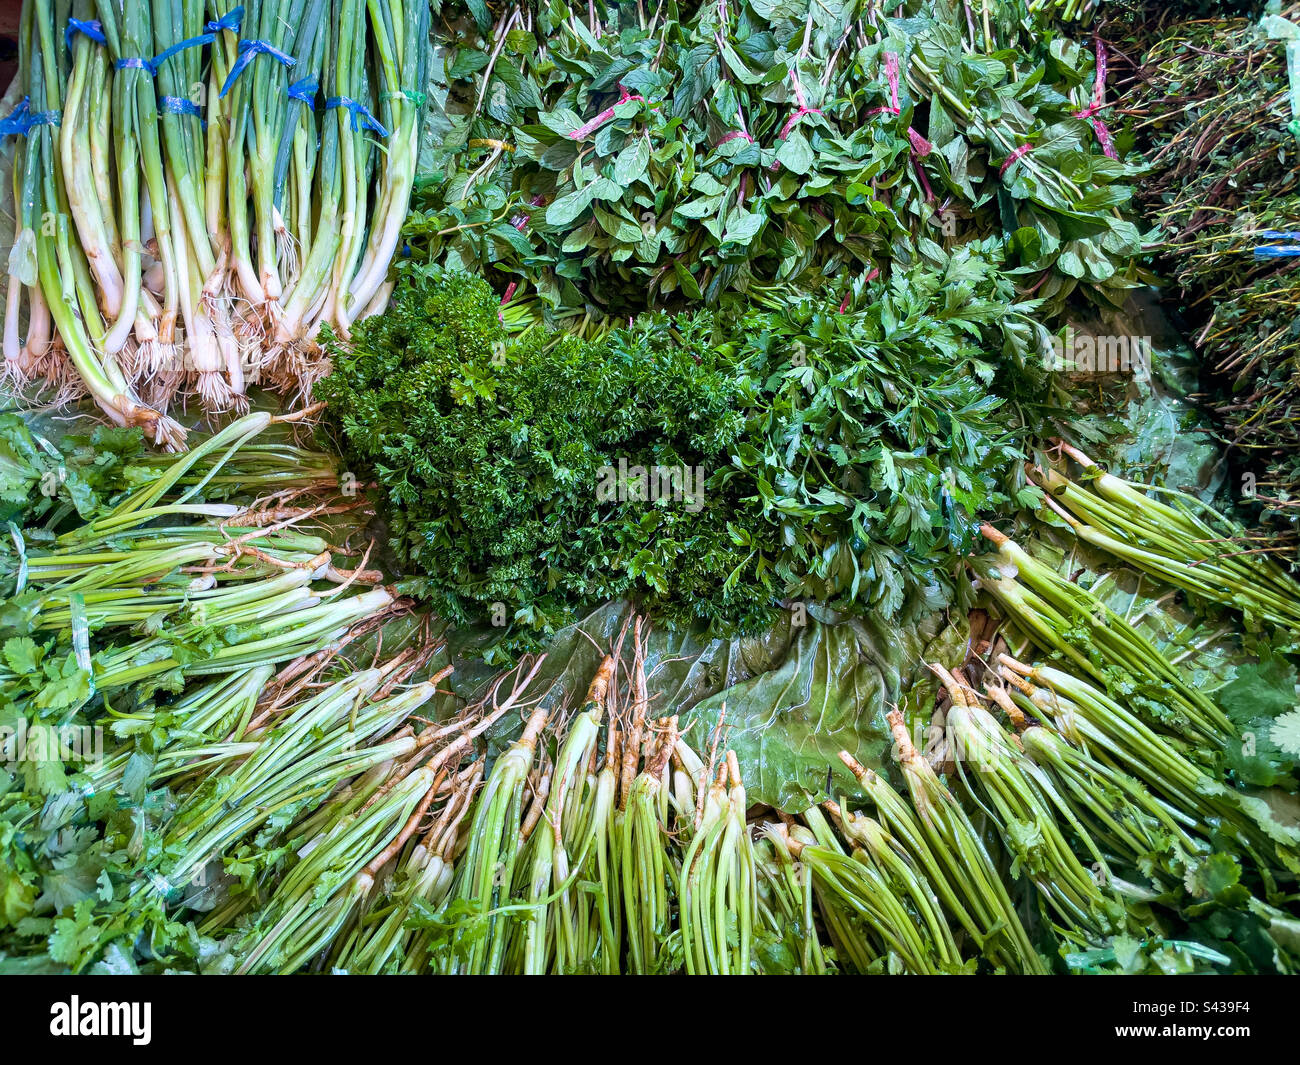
[
  {"x": 84, "y": 137},
  {"x": 846, "y": 912},
  {"x": 384, "y": 941},
  {"x": 400, "y": 45},
  {"x": 264, "y": 257},
  {"x": 1065, "y": 619},
  {"x": 718, "y": 892},
  {"x": 27, "y": 357},
  {"x": 356, "y": 153},
  {"x": 360, "y": 838},
  {"x": 589, "y": 931},
  {"x": 318, "y": 232},
  {"x": 1172, "y": 543},
  {"x": 133, "y": 330},
  {"x": 63, "y": 269},
  {"x": 879, "y": 898},
  {"x": 301, "y": 920},
  {"x": 210, "y": 348},
  {"x": 816, "y": 847},
  {"x": 146, "y": 226},
  {"x": 873, "y": 844},
  {"x": 786, "y": 914},
  {"x": 1018, "y": 797},
  {"x": 298, "y": 151},
  {"x": 959, "y": 850},
  {"x": 1112, "y": 734},
  {"x": 648, "y": 876},
  {"x": 897, "y": 816},
  {"x": 488, "y": 869},
  {"x": 567, "y": 834},
  {"x": 318, "y": 745}
]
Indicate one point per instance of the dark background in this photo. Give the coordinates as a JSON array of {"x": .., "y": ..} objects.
[{"x": 8, "y": 41}]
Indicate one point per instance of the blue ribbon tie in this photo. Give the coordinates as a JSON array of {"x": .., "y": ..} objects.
[
  {"x": 136, "y": 63},
  {"x": 361, "y": 116},
  {"x": 230, "y": 21},
  {"x": 87, "y": 28},
  {"x": 305, "y": 89},
  {"x": 22, "y": 119},
  {"x": 248, "y": 50}
]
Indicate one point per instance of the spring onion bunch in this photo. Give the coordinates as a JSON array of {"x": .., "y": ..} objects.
[
  {"x": 649, "y": 875},
  {"x": 787, "y": 936},
  {"x": 881, "y": 912},
  {"x": 1067, "y": 620},
  {"x": 1113, "y": 734},
  {"x": 936, "y": 829},
  {"x": 346, "y": 846},
  {"x": 574, "y": 828},
  {"x": 496, "y": 838},
  {"x": 201, "y": 187},
  {"x": 383, "y": 940},
  {"x": 1172, "y": 541},
  {"x": 1018, "y": 797},
  {"x": 718, "y": 897},
  {"x": 258, "y": 786}
]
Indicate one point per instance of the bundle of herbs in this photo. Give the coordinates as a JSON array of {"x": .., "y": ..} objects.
[
  {"x": 1213, "y": 107},
  {"x": 710, "y": 466},
  {"x": 612, "y": 159},
  {"x": 185, "y": 217},
  {"x": 158, "y": 643}
]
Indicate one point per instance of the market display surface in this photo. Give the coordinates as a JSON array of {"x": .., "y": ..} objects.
[{"x": 747, "y": 487}]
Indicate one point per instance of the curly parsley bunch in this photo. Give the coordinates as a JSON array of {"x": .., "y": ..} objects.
[{"x": 536, "y": 476}]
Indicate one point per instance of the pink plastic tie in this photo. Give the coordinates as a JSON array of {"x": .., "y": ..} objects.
[
  {"x": 801, "y": 110},
  {"x": 733, "y": 135},
  {"x": 1014, "y": 157},
  {"x": 1099, "y": 127},
  {"x": 588, "y": 128}
]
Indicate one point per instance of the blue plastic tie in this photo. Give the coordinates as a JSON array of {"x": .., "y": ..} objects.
[
  {"x": 248, "y": 50},
  {"x": 361, "y": 115},
  {"x": 87, "y": 27},
  {"x": 179, "y": 105},
  {"x": 305, "y": 89},
  {"x": 135, "y": 62},
  {"x": 231, "y": 21},
  {"x": 1277, "y": 251},
  {"x": 22, "y": 119}
]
